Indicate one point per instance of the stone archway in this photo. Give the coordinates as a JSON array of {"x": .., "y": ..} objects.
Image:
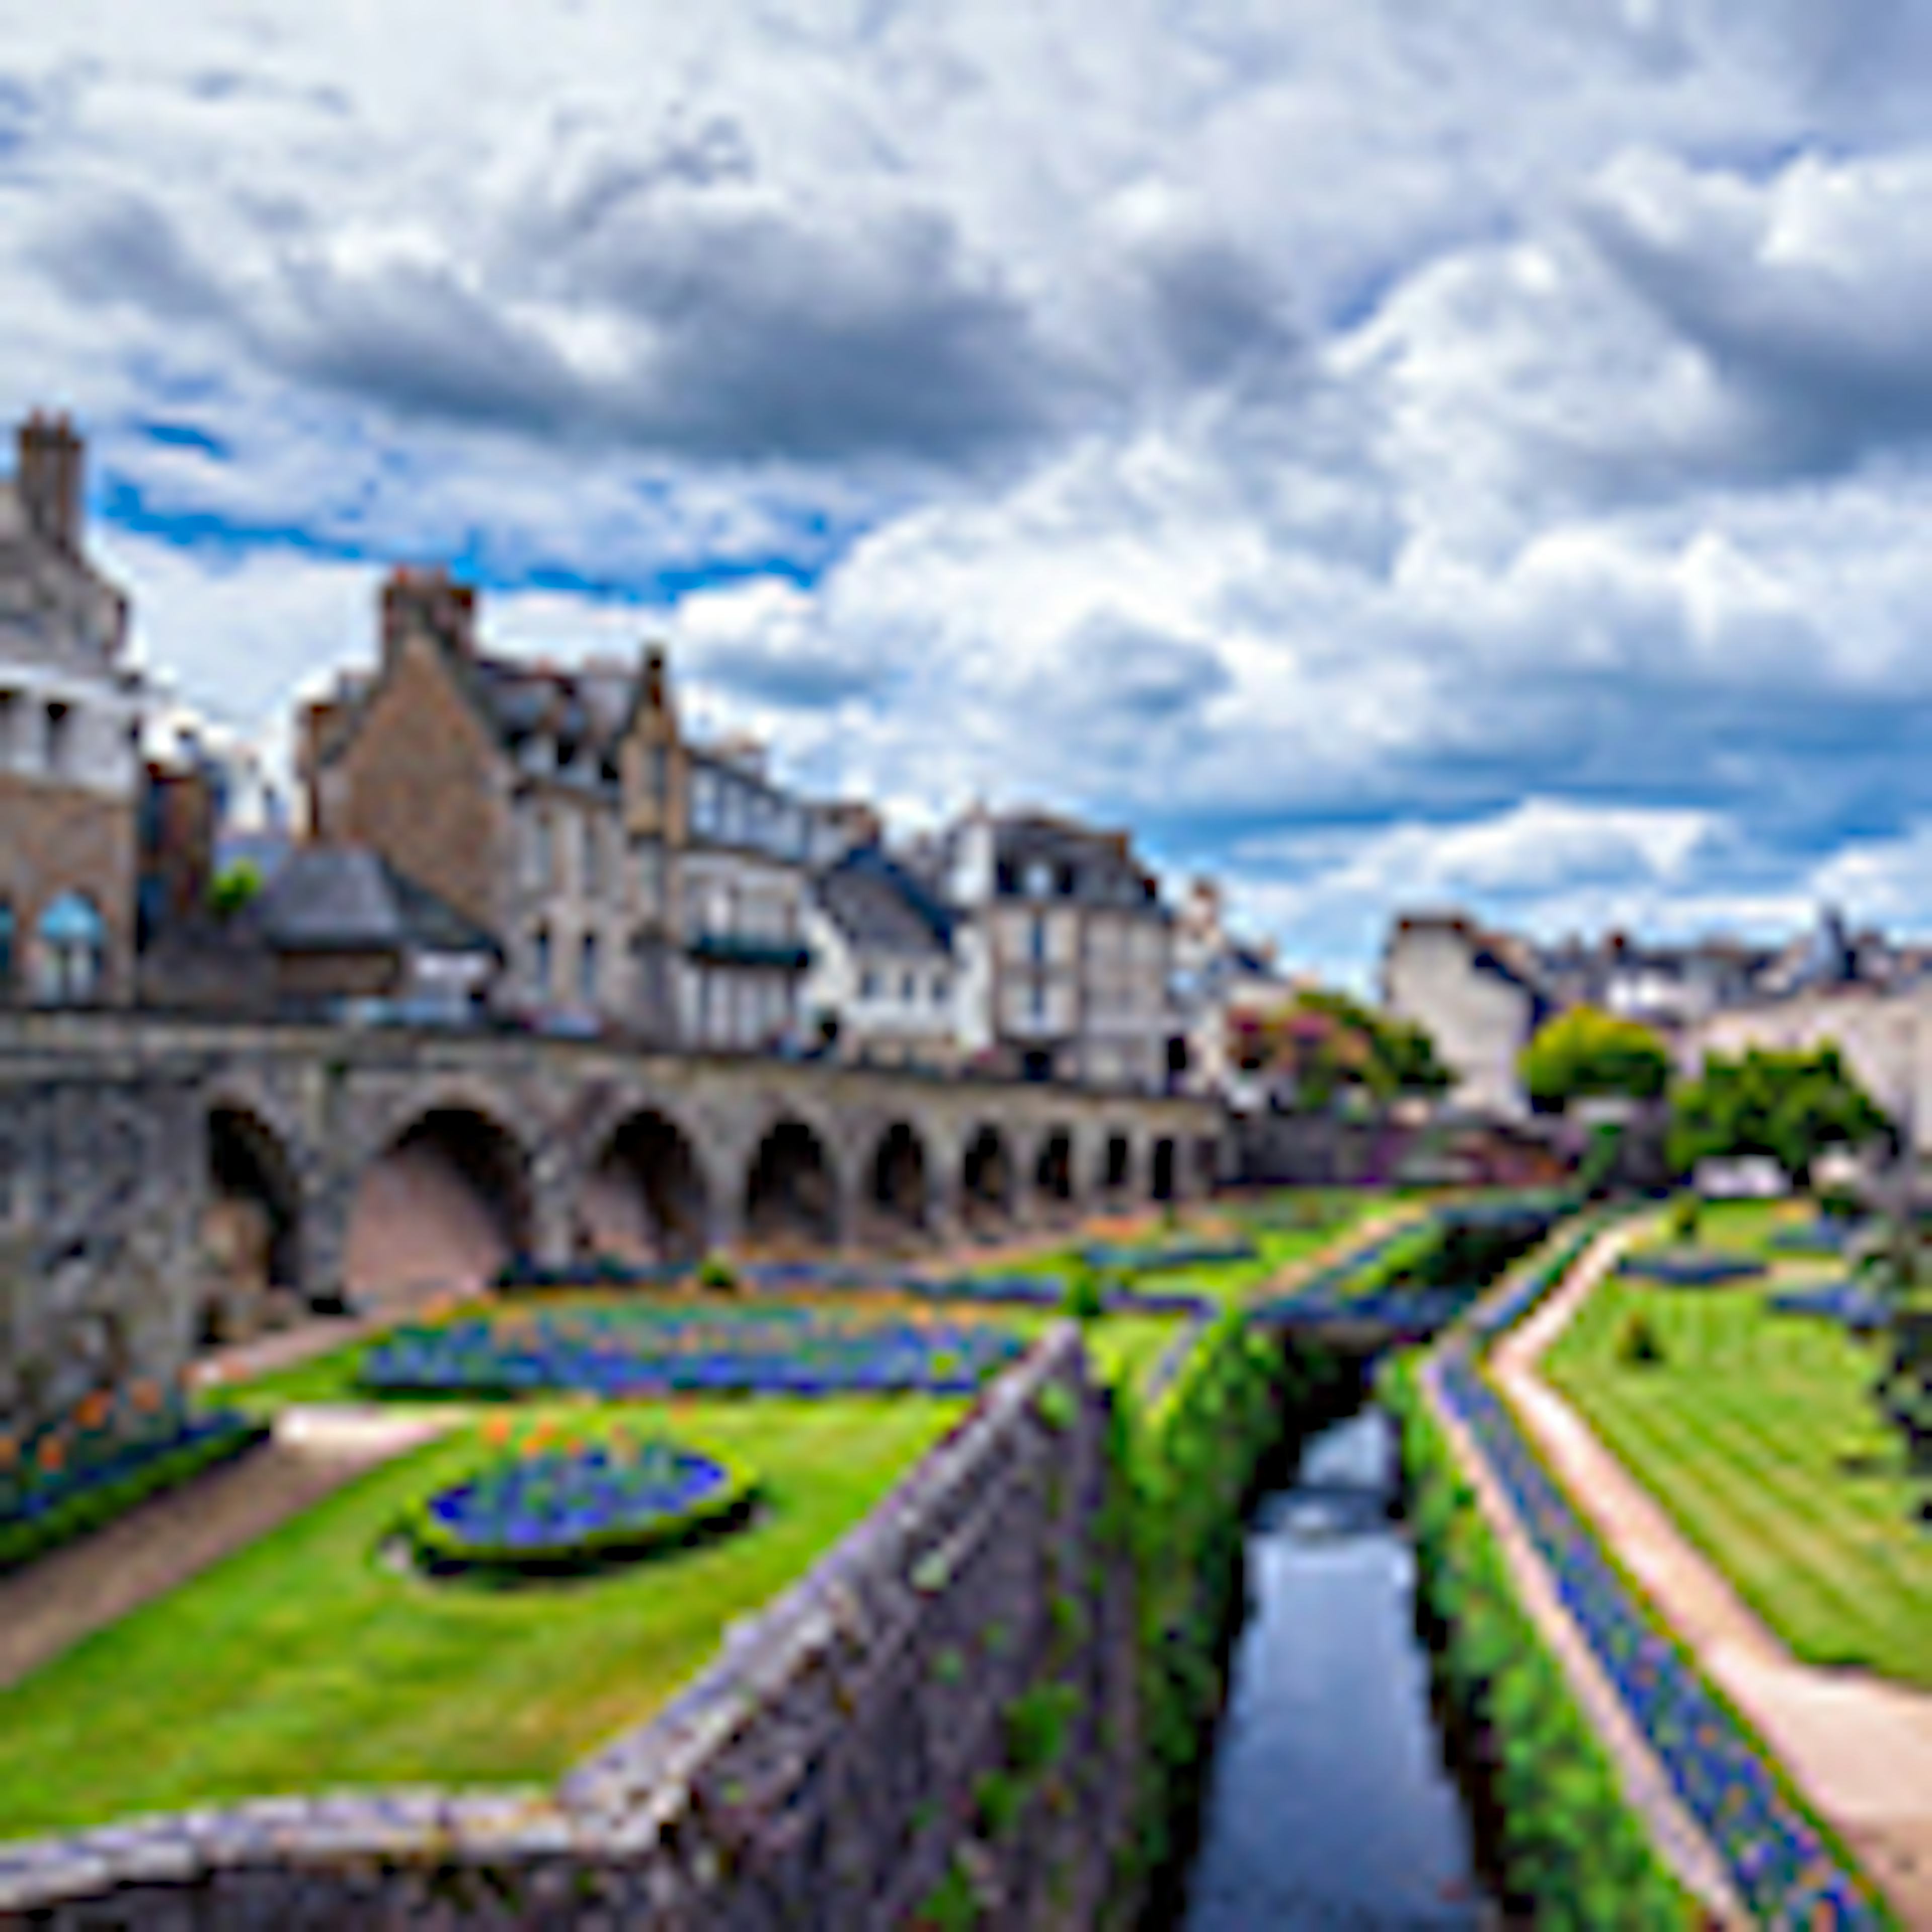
[
  {"x": 986, "y": 1179},
  {"x": 1163, "y": 1181},
  {"x": 791, "y": 1188},
  {"x": 251, "y": 1229},
  {"x": 645, "y": 1198},
  {"x": 445, "y": 1203},
  {"x": 1053, "y": 1171},
  {"x": 1117, "y": 1164},
  {"x": 898, "y": 1184}
]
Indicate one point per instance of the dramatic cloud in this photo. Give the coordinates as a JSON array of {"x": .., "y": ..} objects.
[{"x": 1386, "y": 454}]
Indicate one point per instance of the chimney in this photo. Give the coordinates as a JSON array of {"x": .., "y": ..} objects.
[
  {"x": 48, "y": 478},
  {"x": 657, "y": 695},
  {"x": 428, "y": 601}
]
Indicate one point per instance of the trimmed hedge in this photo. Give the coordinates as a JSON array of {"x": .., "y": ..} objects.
[
  {"x": 96, "y": 1500},
  {"x": 1570, "y": 1852}
]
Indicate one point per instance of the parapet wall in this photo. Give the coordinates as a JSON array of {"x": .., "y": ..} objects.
[{"x": 825, "y": 1771}]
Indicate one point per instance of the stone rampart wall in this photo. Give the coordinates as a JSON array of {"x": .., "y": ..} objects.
[{"x": 822, "y": 1772}]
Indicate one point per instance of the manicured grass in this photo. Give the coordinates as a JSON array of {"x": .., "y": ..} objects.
[
  {"x": 304, "y": 1663},
  {"x": 1758, "y": 1433}
]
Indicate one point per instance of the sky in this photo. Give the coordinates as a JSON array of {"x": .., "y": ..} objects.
[{"x": 1401, "y": 454}]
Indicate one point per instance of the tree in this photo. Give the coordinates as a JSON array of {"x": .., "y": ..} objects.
[
  {"x": 236, "y": 885},
  {"x": 1325, "y": 1043},
  {"x": 1790, "y": 1105},
  {"x": 1586, "y": 1054}
]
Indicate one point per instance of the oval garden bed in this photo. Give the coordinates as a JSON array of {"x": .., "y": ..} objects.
[
  {"x": 1691, "y": 1268},
  {"x": 545, "y": 1509},
  {"x": 626, "y": 1352}
]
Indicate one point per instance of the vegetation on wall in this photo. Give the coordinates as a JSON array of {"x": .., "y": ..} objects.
[
  {"x": 1586, "y": 1054},
  {"x": 1570, "y": 1852}
]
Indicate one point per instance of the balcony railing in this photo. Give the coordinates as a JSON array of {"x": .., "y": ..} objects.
[{"x": 734, "y": 948}]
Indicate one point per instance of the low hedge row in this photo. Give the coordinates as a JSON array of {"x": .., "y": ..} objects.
[
  {"x": 1570, "y": 1852},
  {"x": 90, "y": 1506}
]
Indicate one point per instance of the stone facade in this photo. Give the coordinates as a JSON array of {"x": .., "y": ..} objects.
[
  {"x": 822, "y": 1772},
  {"x": 1479, "y": 1005},
  {"x": 69, "y": 767}
]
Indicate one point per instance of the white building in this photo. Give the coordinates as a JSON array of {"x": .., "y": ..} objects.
[
  {"x": 883, "y": 964},
  {"x": 1064, "y": 951},
  {"x": 1476, "y": 994},
  {"x": 1217, "y": 977}
]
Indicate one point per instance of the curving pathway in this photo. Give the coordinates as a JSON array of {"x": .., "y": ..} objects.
[{"x": 1859, "y": 1749}]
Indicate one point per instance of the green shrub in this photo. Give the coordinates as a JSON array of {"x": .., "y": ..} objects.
[
  {"x": 1687, "y": 1212},
  {"x": 1086, "y": 1294},
  {"x": 716, "y": 1276},
  {"x": 1639, "y": 1345}
]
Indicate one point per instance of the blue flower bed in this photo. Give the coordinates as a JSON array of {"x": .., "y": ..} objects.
[
  {"x": 1846, "y": 1302},
  {"x": 1690, "y": 1268},
  {"x": 606, "y": 1271},
  {"x": 1782, "y": 1866},
  {"x": 79, "y": 1474},
  {"x": 621, "y": 1353},
  {"x": 1159, "y": 1258},
  {"x": 1826, "y": 1235},
  {"x": 543, "y": 1508}
]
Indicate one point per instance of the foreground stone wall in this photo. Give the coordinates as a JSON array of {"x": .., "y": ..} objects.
[{"x": 824, "y": 1772}]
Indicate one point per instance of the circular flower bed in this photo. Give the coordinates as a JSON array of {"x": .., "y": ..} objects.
[
  {"x": 544, "y": 1507},
  {"x": 1691, "y": 1268},
  {"x": 628, "y": 1352}
]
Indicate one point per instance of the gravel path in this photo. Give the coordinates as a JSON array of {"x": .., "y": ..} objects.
[
  {"x": 1860, "y": 1749},
  {"x": 51, "y": 1605}
]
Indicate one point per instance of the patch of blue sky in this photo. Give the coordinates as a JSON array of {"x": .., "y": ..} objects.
[{"x": 493, "y": 563}]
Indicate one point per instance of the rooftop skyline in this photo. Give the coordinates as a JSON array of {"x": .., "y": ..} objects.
[{"x": 1388, "y": 457}]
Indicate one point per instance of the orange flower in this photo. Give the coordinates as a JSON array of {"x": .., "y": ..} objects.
[
  {"x": 497, "y": 1431},
  {"x": 146, "y": 1396},
  {"x": 52, "y": 1455},
  {"x": 10, "y": 1452},
  {"x": 92, "y": 1411}
]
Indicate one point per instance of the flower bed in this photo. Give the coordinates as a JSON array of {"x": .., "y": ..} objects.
[
  {"x": 113, "y": 1451},
  {"x": 1159, "y": 1257},
  {"x": 1846, "y": 1302},
  {"x": 1781, "y": 1864},
  {"x": 624, "y": 1352},
  {"x": 1690, "y": 1268},
  {"x": 1824, "y": 1235},
  {"x": 546, "y": 1507},
  {"x": 605, "y": 1271}
]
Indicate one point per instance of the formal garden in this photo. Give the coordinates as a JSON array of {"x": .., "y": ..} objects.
[{"x": 618, "y": 1472}]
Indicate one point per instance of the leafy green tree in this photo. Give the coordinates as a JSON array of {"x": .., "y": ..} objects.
[
  {"x": 235, "y": 886},
  {"x": 1790, "y": 1105},
  {"x": 1327, "y": 1043},
  {"x": 1587, "y": 1053}
]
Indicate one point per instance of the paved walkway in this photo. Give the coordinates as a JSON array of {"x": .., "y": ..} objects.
[
  {"x": 1859, "y": 1749},
  {"x": 67, "y": 1595}
]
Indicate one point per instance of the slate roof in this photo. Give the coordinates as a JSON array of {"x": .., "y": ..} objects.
[
  {"x": 345, "y": 899},
  {"x": 880, "y": 906},
  {"x": 1102, "y": 867}
]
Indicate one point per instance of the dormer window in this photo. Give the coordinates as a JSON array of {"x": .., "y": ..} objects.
[{"x": 1038, "y": 880}]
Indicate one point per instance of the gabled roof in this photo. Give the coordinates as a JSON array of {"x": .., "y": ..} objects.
[
  {"x": 880, "y": 906},
  {"x": 345, "y": 899}
]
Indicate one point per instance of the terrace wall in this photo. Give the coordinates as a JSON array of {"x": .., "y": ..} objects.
[{"x": 822, "y": 1773}]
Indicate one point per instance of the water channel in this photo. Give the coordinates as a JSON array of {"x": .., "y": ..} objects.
[{"x": 1329, "y": 1805}]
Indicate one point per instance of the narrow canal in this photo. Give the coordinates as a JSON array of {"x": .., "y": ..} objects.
[{"x": 1329, "y": 1804}]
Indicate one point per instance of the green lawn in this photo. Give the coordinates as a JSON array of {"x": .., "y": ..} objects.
[
  {"x": 1757, "y": 1433},
  {"x": 303, "y": 1663}
]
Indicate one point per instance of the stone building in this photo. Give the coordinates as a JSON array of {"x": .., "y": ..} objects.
[
  {"x": 884, "y": 966},
  {"x": 1064, "y": 951},
  {"x": 70, "y": 767},
  {"x": 1477, "y": 993},
  {"x": 632, "y": 879},
  {"x": 1218, "y": 977}
]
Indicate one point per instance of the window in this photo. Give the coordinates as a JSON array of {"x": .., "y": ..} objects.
[
  {"x": 868, "y": 985},
  {"x": 539, "y": 852},
  {"x": 650, "y": 878},
  {"x": 908, "y": 988},
  {"x": 74, "y": 950},
  {"x": 1036, "y": 938},
  {"x": 540, "y": 962},
  {"x": 10, "y": 709},
  {"x": 1036, "y": 999},
  {"x": 939, "y": 989},
  {"x": 60, "y": 738},
  {"x": 1039, "y": 879},
  {"x": 586, "y": 969},
  {"x": 6, "y": 950},
  {"x": 1063, "y": 881},
  {"x": 660, "y": 776},
  {"x": 593, "y": 858}
]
